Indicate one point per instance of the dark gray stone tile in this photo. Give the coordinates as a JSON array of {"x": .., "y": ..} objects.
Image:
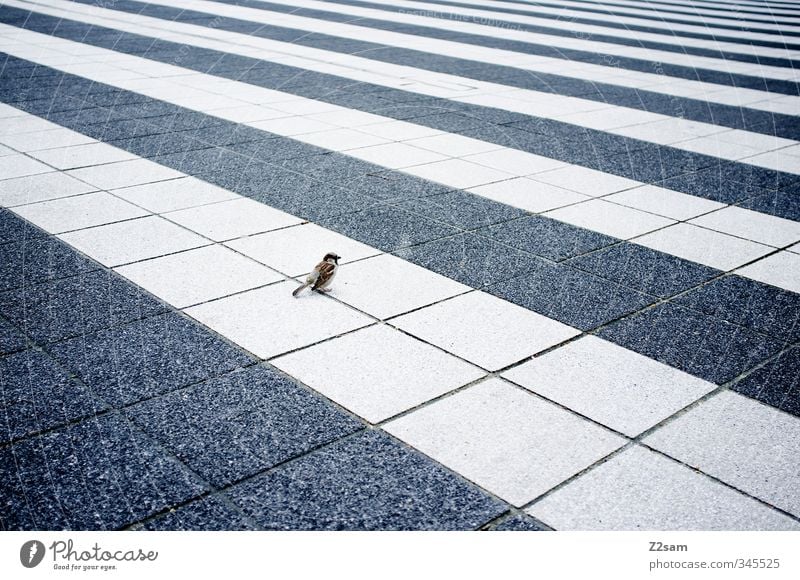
[
  {"x": 777, "y": 383},
  {"x": 335, "y": 167},
  {"x": 460, "y": 209},
  {"x": 367, "y": 482},
  {"x": 244, "y": 422},
  {"x": 38, "y": 260},
  {"x": 394, "y": 186},
  {"x": 14, "y": 229},
  {"x": 570, "y": 296},
  {"x": 128, "y": 363},
  {"x": 211, "y": 513},
  {"x": 100, "y": 474},
  {"x": 37, "y": 395},
  {"x": 760, "y": 307},
  {"x": 386, "y": 227},
  {"x": 518, "y": 523},
  {"x": 11, "y": 339},
  {"x": 81, "y": 304},
  {"x": 470, "y": 259},
  {"x": 701, "y": 345},
  {"x": 547, "y": 237},
  {"x": 275, "y": 150},
  {"x": 781, "y": 204},
  {"x": 644, "y": 269}
]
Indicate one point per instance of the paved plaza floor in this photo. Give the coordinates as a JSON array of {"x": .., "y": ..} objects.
[{"x": 568, "y": 295}]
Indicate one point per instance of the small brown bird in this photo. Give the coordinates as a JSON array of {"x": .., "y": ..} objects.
[{"x": 322, "y": 274}]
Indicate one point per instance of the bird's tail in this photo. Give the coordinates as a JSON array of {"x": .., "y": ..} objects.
[{"x": 299, "y": 289}]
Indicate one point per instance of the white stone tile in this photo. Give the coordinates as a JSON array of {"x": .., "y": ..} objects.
[
  {"x": 453, "y": 145},
  {"x": 742, "y": 442},
  {"x": 24, "y": 123},
  {"x": 510, "y": 442},
  {"x": 79, "y": 211},
  {"x": 484, "y": 329},
  {"x": 198, "y": 275},
  {"x": 757, "y": 140},
  {"x": 794, "y": 249},
  {"x": 342, "y": 139},
  {"x": 610, "y": 219},
  {"x": 524, "y": 193},
  {"x": 777, "y": 161},
  {"x": 174, "y": 194},
  {"x": 378, "y": 371},
  {"x": 515, "y": 162},
  {"x": 395, "y": 155},
  {"x": 12, "y": 166},
  {"x": 614, "y": 386},
  {"x": 609, "y": 118},
  {"x": 296, "y": 250},
  {"x": 668, "y": 131},
  {"x": 384, "y": 286},
  {"x": 718, "y": 148},
  {"x": 249, "y": 113},
  {"x": 664, "y": 202},
  {"x": 40, "y": 187},
  {"x": 232, "y": 219},
  {"x": 640, "y": 490},
  {"x": 752, "y": 225},
  {"x": 704, "y": 246},
  {"x": 586, "y": 181},
  {"x": 270, "y": 321},
  {"x": 458, "y": 173},
  {"x": 290, "y": 126},
  {"x": 7, "y": 111},
  {"x": 399, "y": 130},
  {"x": 6, "y": 151},
  {"x": 124, "y": 173},
  {"x": 82, "y": 155},
  {"x": 49, "y": 139},
  {"x": 348, "y": 118},
  {"x": 781, "y": 269},
  {"x": 133, "y": 240}
]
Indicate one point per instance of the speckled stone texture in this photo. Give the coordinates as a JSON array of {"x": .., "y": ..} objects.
[
  {"x": 777, "y": 383},
  {"x": 39, "y": 260},
  {"x": 461, "y": 209},
  {"x": 241, "y": 423},
  {"x": 517, "y": 523},
  {"x": 101, "y": 474},
  {"x": 367, "y": 482},
  {"x": 212, "y": 513}
]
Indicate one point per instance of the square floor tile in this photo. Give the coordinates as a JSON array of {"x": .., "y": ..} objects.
[
  {"x": 644, "y": 269},
  {"x": 752, "y": 225},
  {"x": 174, "y": 194},
  {"x": 124, "y": 173},
  {"x": 755, "y": 305},
  {"x": 664, "y": 202},
  {"x": 586, "y": 181},
  {"x": 296, "y": 250},
  {"x": 11, "y": 338},
  {"x": 366, "y": 482},
  {"x": 452, "y": 145},
  {"x": 610, "y": 219},
  {"x": 270, "y": 321},
  {"x": 37, "y": 260},
  {"x": 485, "y": 330},
  {"x": 399, "y": 130},
  {"x": 25, "y": 123},
  {"x": 20, "y": 166},
  {"x": 342, "y": 139},
  {"x": 506, "y": 440},
  {"x": 639, "y": 490},
  {"x": 133, "y": 240},
  {"x": 396, "y": 155},
  {"x": 740, "y": 441},
  {"x": 34, "y": 141},
  {"x": 41, "y": 187},
  {"x": 79, "y": 212},
  {"x": 547, "y": 237},
  {"x": 385, "y": 286},
  {"x": 232, "y": 219},
  {"x": 777, "y": 383},
  {"x": 458, "y": 174},
  {"x": 116, "y": 476},
  {"x": 470, "y": 259},
  {"x": 781, "y": 270},
  {"x": 370, "y": 374},
  {"x": 461, "y": 209},
  {"x": 38, "y": 395},
  {"x": 685, "y": 339},
  {"x": 570, "y": 296},
  {"x": 704, "y": 246},
  {"x": 614, "y": 386},
  {"x": 210, "y": 513},
  {"x": 291, "y": 126},
  {"x": 195, "y": 276},
  {"x": 514, "y": 161},
  {"x": 517, "y": 523},
  {"x": 135, "y": 361},
  {"x": 82, "y": 155},
  {"x": 527, "y": 194},
  {"x": 785, "y": 204},
  {"x": 236, "y": 425},
  {"x": 15, "y": 229}
]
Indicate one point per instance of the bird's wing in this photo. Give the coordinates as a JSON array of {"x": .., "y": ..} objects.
[{"x": 325, "y": 270}]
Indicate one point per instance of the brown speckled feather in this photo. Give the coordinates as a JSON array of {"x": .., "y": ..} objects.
[{"x": 326, "y": 271}]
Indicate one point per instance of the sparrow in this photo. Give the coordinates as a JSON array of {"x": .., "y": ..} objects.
[{"x": 322, "y": 274}]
